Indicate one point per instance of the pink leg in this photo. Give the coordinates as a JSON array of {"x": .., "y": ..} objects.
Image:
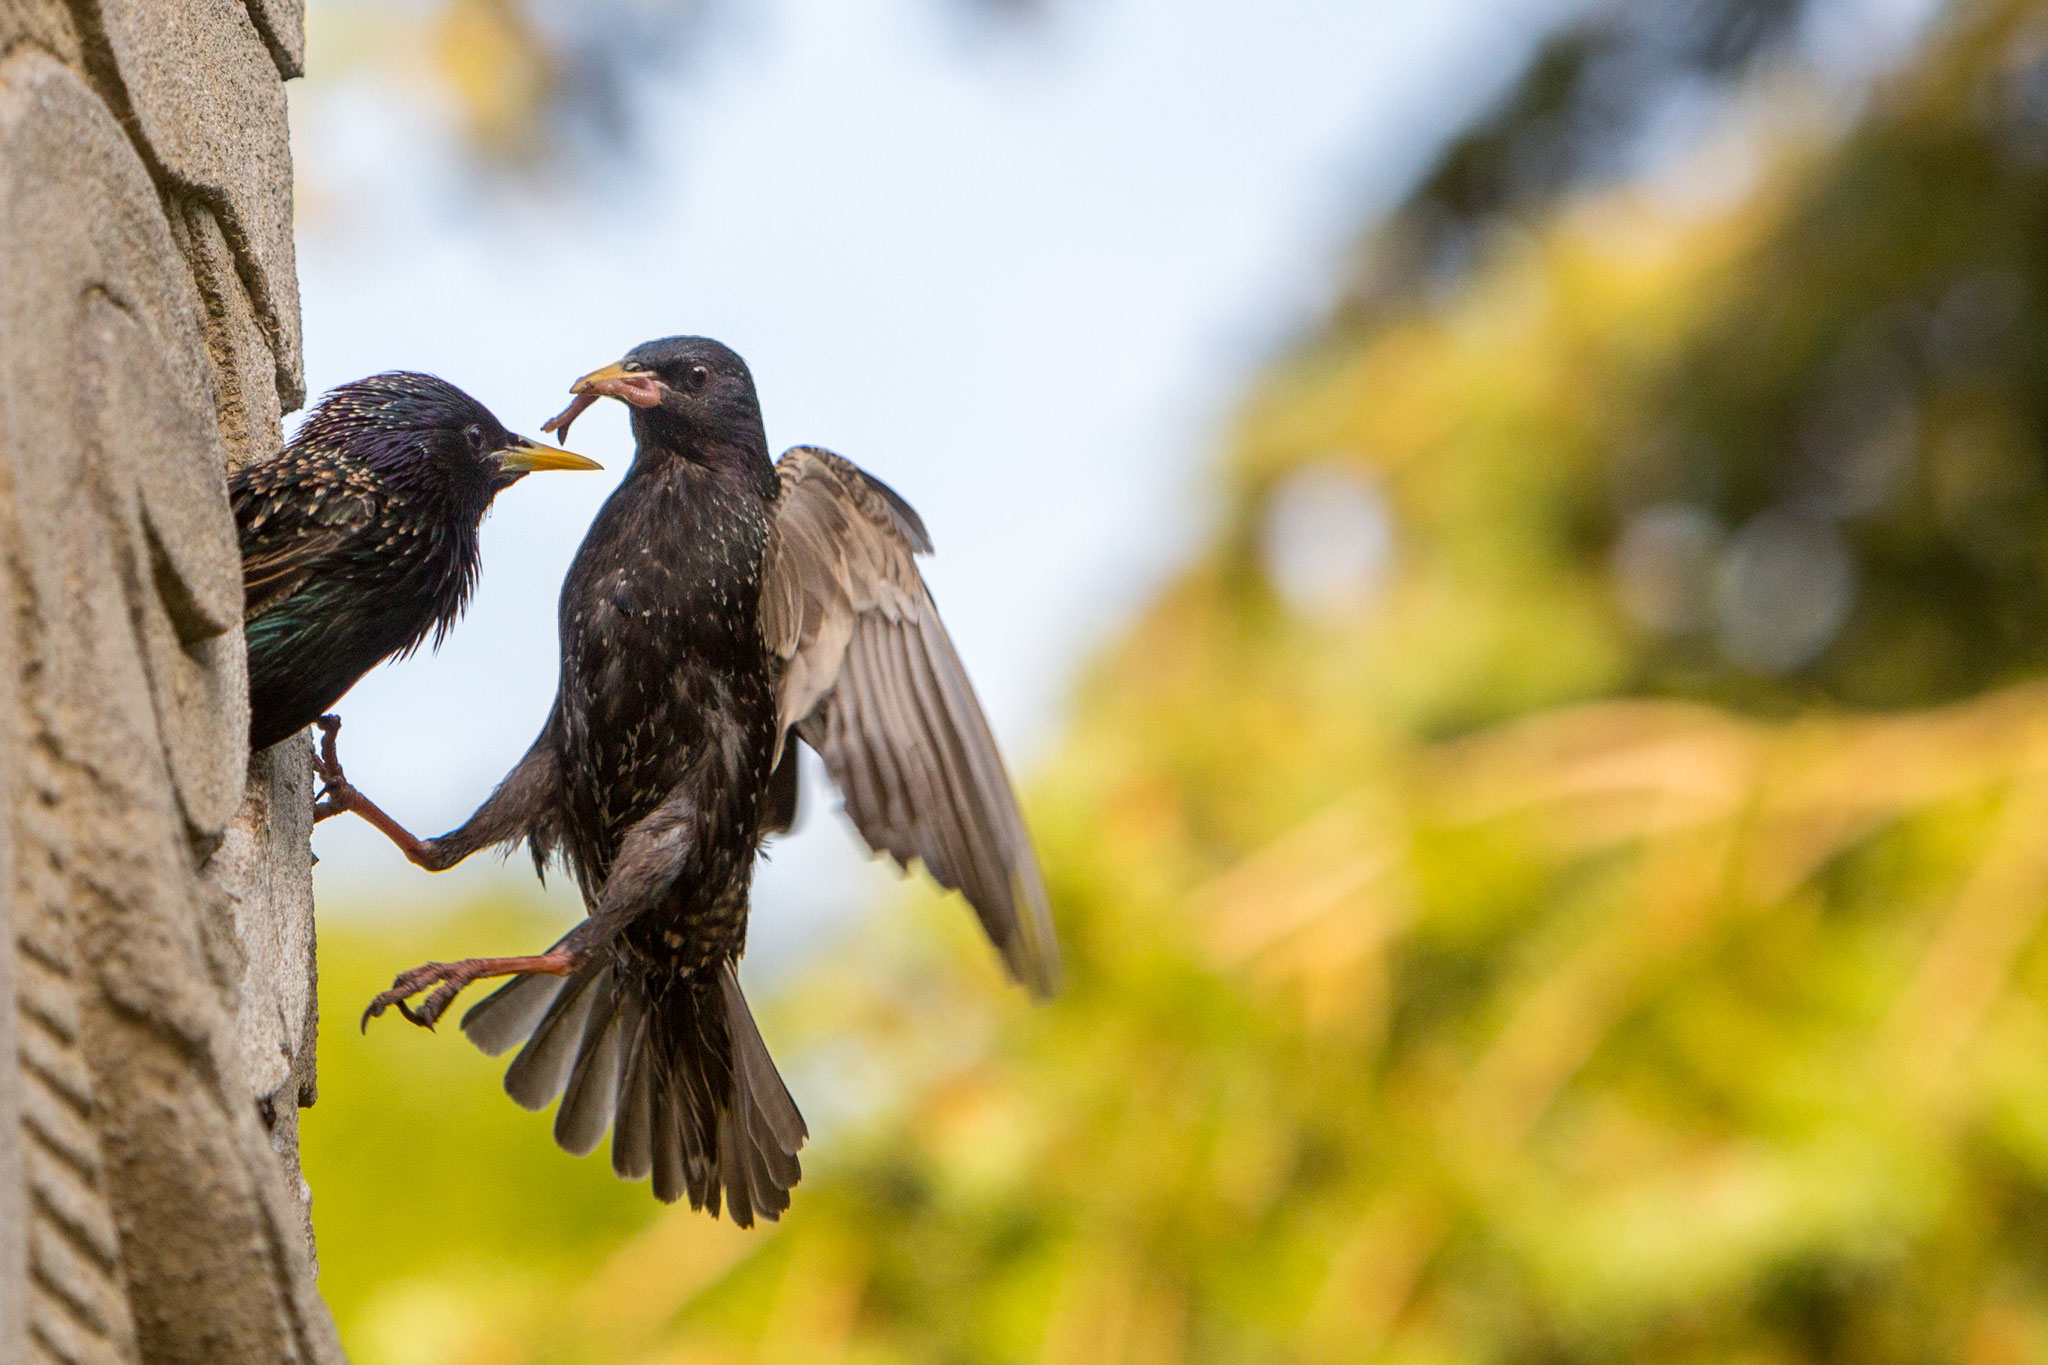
[
  {"x": 338, "y": 797},
  {"x": 453, "y": 976}
]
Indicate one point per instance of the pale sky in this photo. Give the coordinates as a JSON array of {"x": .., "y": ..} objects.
[{"x": 1026, "y": 286}]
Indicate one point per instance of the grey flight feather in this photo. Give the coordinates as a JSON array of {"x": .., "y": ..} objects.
[
  {"x": 633, "y": 1133},
  {"x": 872, "y": 682},
  {"x": 541, "y": 1069},
  {"x": 586, "y": 1108},
  {"x": 508, "y": 1016}
]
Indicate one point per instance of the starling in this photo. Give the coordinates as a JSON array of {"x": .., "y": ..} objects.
[
  {"x": 719, "y": 605},
  {"x": 361, "y": 536}
]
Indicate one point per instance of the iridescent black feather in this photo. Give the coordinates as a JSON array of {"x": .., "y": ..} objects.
[{"x": 360, "y": 538}]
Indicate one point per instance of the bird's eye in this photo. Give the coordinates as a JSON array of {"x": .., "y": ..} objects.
[
  {"x": 699, "y": 376},
  {"x": 474, "y": 434},
  {"x": 632, "y": 366}
]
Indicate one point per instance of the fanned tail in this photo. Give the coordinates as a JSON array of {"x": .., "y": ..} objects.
[{"x": 681, "y": 1077}]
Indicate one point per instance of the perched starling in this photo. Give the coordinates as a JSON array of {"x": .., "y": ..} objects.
[
  {"x": 719, "y": 604},
  {"x": 361, "y": 536}
]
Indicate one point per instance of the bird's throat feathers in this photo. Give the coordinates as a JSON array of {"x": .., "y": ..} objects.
[{"x": 736, "y": 455}]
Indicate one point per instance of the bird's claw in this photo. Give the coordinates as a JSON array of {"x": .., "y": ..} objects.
[
  {"x": 409, "y": 984},
  {"x": 335, "y": 794}
]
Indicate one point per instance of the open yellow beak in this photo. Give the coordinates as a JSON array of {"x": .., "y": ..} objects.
[
  {"x": 636, "y": 387},
  {"x": 530, "y": 456}
]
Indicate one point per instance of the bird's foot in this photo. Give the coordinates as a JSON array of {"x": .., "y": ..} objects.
[
  {"x": 336, "y": 796},
  {"x": 452, "y": 977}
]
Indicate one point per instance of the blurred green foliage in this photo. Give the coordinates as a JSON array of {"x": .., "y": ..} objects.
[{"x": 1559, "y": 879}]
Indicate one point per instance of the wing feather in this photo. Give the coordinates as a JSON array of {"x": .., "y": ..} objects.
[
  {"x": 289, "y": 522},
  {"x": 872, "y": 682}
]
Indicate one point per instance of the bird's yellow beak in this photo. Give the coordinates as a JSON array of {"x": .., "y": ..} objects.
[
  {"x": 636, "y": 387},
  {"x": 528, "y": 456}
]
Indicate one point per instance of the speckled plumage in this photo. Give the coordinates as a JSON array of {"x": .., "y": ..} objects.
[
  {"x": 666, "y": 684},
  {"x": 359, "y": 540},
  {"x": 719, "y": 605}
]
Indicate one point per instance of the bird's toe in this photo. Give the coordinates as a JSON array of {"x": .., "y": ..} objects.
[{"x": 403, "y": 989}]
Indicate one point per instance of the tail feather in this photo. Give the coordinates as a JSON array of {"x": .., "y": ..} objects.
[
  {"x": 738, "y": 1177},
  {"x": 671, "y": 1165},
  {"x": 593, "y": 1093},
  {"x": 771, "y": 1121},
  {"x": 508, "y": 1016},
  {"x": 542, "y": 1068},
  {"x": 633, "y": 1133},
  {"x": 684, "y": 1081}
]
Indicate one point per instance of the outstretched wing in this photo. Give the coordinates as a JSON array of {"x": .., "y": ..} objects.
[
  {"x": 291, "y": 513},
  {"x": 871, "y": 681}
]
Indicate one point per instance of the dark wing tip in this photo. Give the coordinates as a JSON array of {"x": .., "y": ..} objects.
[
  {"x": 1033, "y": 953},
  {"x": 1043, "y": 979},
  {"x": 799, "y": 459},
  {"x": 906, "y": 517}
]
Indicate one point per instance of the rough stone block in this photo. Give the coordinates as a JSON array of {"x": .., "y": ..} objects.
[
  {"x": 134, "y": 958},
  {"x": 209, "y": 105},
  {"x": 283, "y": 26}
]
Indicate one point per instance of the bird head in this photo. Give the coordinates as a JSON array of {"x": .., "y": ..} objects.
[
  {"x": 682, "y": 390},
  {"x": 421, "y": 432}
]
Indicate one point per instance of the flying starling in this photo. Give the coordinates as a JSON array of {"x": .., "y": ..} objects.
[
  {"x": 361, "y": 537},
  {"x": 720, "y": 605}
]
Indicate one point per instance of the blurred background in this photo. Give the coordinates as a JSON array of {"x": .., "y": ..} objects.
[{"x": 1508, "y": 545}]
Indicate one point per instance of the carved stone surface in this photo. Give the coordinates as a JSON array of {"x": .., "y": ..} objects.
[
  {"x": 156, "y": 948},
  {"x": 210, "y": 106},
  {"x": 283, "y": 26},
  {"x": 263, "y": 870}
]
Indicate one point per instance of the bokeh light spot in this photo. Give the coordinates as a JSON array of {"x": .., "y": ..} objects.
[
  {"x": 1327, "y": 540},
  {"x": 1664, "y": 566},
  {"x": 1785, "y": 589}
]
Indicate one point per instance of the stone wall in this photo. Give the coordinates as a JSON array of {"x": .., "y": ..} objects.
[{"x": 156, "y": 969}]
